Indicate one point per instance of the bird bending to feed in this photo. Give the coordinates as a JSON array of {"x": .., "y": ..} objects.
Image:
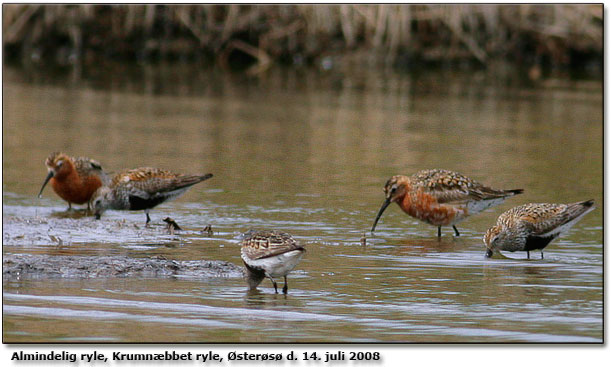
[
  {"x": 270, "y": 254},
  {"x": 142, "y": 189},
  {"x": 533, "y": 226},
  {"x": 73, "y": 179},
  {"x": 440, "y": 197}
]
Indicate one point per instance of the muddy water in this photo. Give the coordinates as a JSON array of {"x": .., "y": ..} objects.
[{"x": 306, "y": 153}]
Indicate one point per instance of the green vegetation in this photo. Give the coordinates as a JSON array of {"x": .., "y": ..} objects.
[{"x": 256, "y": 36}]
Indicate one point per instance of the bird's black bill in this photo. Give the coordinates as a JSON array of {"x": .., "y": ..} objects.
[
  {"x": 489, "y": 253},
  {"x": 384, "y": 205},
  {"x": 51, "y": 173}
]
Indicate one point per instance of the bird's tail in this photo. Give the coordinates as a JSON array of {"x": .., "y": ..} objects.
[{"x": 514, "y": 192}]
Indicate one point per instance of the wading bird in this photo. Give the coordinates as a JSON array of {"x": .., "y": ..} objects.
[
  {"x": 440, "y": 197},
  {"x": 73, "y": 179},
  {"x": 142, "y": 189},
  {"x": 533, "y": 226},
  {"x": 269, "y": 254}
]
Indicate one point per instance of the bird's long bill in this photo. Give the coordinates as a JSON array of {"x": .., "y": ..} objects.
[
  {"x": 489, "y": 252},
  {"x": 51, "y": 173},
  {"x": 384, "y": 205}
]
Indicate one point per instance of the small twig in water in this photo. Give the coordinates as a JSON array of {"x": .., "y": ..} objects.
[{"x": 208, "y": 230}]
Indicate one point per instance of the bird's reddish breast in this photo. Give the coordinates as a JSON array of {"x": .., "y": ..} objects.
[
  {"x": 75, "y": 189},
  {"x": 424, "y": 206}
]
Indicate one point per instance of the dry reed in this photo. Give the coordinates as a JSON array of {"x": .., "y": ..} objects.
[{"x": 304, "y": 33}]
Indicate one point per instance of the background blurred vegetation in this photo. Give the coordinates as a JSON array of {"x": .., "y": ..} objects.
[{"x": 253, "y": 37}]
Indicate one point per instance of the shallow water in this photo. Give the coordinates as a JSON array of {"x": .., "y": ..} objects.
[{"x": 308, "y": 154}]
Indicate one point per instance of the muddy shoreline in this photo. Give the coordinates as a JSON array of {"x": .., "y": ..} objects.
[
  {"x": 25, "y": 231},
  {"x": 18, "y": 266},
  {"x": 65, "y": 228}
]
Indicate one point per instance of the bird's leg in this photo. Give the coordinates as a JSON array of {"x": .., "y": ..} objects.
[
  {"x": 274, "y": 283},
  {"x": 148, "y": 219},
  {"x": 285, "y": 289},
  {"x": 439, "y": 232},
  {"x": 456, "y": 231},
  {"x": 541, "y": 253},
  {"x": 69, "y": 207},
  {"x": 528, "y": 255}
]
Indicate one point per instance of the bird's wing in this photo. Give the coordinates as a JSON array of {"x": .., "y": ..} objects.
[
  {"x": 260, "y": 245},
  {"x": 85, "y": 166},
  {"x": 542, "y": 219}
]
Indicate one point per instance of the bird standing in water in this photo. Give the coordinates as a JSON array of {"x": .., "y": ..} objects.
[
  {"x": 270, "y": 254},
  {"x": 73, "y": 179},
  {"x": 533, "y": 226},
  {"x": 142, "y": 189},
  {"x": 440, "y": 197}
]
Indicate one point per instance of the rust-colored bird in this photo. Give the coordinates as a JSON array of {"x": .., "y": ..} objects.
[
  {"x": 270, "y": 254},
  {"x": 440, "y": 197},
  {"x": 73, "y": 179},
  {"x": 142, "y": 189},
  {"x": 533, "y": 226}
]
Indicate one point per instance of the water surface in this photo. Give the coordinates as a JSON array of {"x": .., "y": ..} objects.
[{"x": 309, "y": 153}]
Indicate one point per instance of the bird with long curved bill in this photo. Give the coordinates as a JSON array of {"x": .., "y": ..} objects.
[
  {"x": 440, "y": 197},
  {"x": 73, "y": 179}
]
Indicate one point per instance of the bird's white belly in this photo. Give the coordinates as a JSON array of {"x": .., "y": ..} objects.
[
  {"x": 477, "y": 206},
  {"x": 277, "y": 266}
]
